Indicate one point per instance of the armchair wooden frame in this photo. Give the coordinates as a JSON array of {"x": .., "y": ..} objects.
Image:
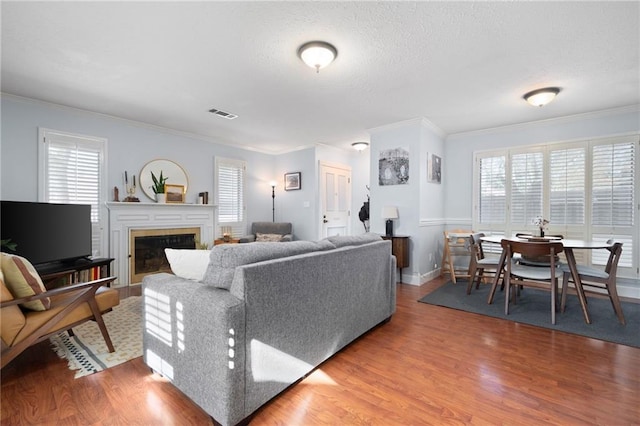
[{"x": 86, "y": 293}]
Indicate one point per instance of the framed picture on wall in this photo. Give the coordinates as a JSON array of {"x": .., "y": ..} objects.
[
  {"x": 393, "y": 167},
  {"x": 292, "y": 181},
  {"x": 175, "y": 193},
  {"x": 434, "y": 168}
]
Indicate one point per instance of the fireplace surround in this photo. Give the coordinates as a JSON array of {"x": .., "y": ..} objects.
[{"x": 155, "y": 220}]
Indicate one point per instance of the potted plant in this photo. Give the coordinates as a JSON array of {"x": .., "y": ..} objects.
[{"x": 158, "y": 186}]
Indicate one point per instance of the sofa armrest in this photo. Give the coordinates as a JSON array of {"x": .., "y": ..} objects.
[
  {"x": 193, "y": 335},
  {"x": 89, "y": 286},
  {"x": 286, "y": 238}
]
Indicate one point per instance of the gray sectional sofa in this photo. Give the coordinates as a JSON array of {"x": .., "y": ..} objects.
[{"x": 263, "y": 317}]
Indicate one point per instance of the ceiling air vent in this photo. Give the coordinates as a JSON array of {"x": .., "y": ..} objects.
[{"x": 223, "y": 114}]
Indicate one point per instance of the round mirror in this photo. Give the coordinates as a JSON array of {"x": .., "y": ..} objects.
[{"x": 172, "y": 171}]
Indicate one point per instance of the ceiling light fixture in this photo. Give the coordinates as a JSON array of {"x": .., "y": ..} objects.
[
  {"x": 317, "y": 54},
  {"x": 360, "y": 146},
  {"x": 541, "y": 97}
]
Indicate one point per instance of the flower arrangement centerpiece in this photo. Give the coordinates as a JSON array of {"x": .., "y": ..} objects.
[{"x": 541, "y": 223}]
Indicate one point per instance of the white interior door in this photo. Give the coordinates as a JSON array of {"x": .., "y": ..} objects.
[{"x": 335, "y": 199}]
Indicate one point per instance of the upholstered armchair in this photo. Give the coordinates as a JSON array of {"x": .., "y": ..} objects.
[
  {"x": 37, "y": 313},
  {"x": 269, "y": 231}
]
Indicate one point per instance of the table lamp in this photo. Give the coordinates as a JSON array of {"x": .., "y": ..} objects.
[{"x": 389, "y": 213}]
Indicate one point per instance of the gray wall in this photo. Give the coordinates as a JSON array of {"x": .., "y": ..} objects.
[
  {"x": 131, "y": 145},
  {"x": 459, "y": 148}
]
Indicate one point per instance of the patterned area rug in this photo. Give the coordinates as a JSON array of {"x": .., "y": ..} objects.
[{"x": 86, "y": 351}]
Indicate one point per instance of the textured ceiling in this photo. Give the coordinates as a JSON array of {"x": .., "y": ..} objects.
[{"x": 461, "y": 65}]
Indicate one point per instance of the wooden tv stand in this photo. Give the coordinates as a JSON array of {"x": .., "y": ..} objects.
[{"x": 82, "y": 270}]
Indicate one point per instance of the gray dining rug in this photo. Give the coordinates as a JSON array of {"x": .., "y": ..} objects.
[{"x": 534, "y": 308}]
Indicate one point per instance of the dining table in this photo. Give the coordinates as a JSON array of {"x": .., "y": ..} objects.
[{"x": 569, "y": 246}]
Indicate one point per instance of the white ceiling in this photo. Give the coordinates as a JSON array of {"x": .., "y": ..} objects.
[{"x": 462, "y": 65}]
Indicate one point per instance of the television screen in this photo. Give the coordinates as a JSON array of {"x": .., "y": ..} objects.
[{"x": 46, "y": 232}]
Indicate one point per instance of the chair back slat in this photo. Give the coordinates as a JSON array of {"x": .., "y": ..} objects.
[{"x": 534, "y": 249}]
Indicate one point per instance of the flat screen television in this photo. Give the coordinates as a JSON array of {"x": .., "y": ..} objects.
[{"x": 46, "y": 232}]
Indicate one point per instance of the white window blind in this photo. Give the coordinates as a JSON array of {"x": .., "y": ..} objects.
[
  {"x": 230, "y": 177},
  {"x": 613, "y": 177},
  {"x": 591, "y": 193},
  {"x": 492, "y": 204},
  {"x": 567, "y": 186},
  {"x": 526, "y": 187},
  {"x": 73, "y": 174}
]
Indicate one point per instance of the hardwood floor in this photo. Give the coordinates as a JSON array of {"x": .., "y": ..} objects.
[{"x": 428, "y": 365}]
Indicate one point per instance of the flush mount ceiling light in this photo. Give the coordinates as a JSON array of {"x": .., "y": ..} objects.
[
  {"x": 541, "y": 97},
  {"x": 317, "y": 54},
  {"x": 360, "y": 146}
]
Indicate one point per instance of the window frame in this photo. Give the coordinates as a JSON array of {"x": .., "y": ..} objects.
[
  {"x": 572, "y": 231},
  {"x": 101, "y": 249},
  {"x": 238, "y": 228}
]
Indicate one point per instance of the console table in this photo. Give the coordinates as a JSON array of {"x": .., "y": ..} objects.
[
  {"x": 79, "y": 271},
  {"x": 400, "y": 249}
]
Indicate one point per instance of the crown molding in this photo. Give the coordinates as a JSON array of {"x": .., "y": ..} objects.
[
  {"x": 149, "y": 126},
  {"x": 412, "y": 121},
  {"x": 556, "y": 120}
]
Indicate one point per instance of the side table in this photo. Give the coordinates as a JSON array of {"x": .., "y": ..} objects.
[
  {"x": 221, "y": 241},
  {"x": 400, "y": 249}
]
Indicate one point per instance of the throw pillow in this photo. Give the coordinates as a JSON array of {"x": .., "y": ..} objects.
[
  {"x": 22, "y": 280},
  {"x": 12, "y": 317},
  {"x": 188, "y": 264},
  {"x": 268, "y": 238}
]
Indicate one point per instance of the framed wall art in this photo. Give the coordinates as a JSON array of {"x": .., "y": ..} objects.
[
  {"x": 175, "y": 193},
  {"x": 393, "y": 167},
  {"x": 292, "y": 181},
  {"x": 434, "y": 168}
]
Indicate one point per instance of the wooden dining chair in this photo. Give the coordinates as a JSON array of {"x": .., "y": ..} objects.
[
  {"x": 541, "y": 277},
  {"x": 456, "y": 253},
  {"x": 479, "y": 265},
  {"x": 597, "y": 279}
]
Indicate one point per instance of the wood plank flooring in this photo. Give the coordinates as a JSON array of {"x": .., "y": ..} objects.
[{"x": 428, "y": 365}]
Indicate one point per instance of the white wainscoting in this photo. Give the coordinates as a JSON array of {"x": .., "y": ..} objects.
[{"x": 124, "y": 217}]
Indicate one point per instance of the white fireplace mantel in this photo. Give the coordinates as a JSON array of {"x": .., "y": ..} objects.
[{"x": 124, "y": 217}]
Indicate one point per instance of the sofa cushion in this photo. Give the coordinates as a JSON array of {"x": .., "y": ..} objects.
[
  {"x": 12, "y": 319},
  {"x": 226, "y": 257},
  {"x": 268, "y": 238},
  {"x": 353, "y": 240},
  {"x": 188, "y": 264},
  {"x": 22, "y": 280}
]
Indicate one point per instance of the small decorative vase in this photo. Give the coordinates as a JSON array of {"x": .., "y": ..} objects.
[
  {"x": 541, "y": 232},
  {"x": 161, "y": 198}
]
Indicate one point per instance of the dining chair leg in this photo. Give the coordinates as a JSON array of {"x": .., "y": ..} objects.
[
  {"x": 554, "y": 293},
  {"x": 565, "y": 289},
  {"x": 615, "y": 301},
  {"x": 507, "y": 295},
  {"x": 480, "y": 277},
  {"x": 473, "y": 269},
  {"x": 499, "y": 272}
]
